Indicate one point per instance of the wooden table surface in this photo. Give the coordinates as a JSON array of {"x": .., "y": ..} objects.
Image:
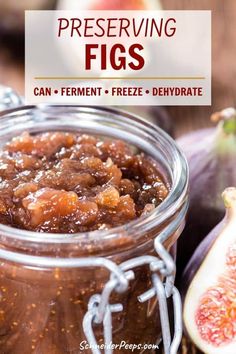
[{"x": 223, "y": 62}]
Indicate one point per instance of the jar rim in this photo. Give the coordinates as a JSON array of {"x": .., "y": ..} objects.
[{"x": 167, "y": 208}]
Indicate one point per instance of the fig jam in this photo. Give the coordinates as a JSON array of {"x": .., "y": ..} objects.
[{"x": 62, "y": 182}]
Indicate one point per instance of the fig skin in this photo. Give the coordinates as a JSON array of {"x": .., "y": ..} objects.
[
  {"x": 204, "y": 272},
  {"x": 198, "y": 257},
  {"x": 211, "y": 154}
]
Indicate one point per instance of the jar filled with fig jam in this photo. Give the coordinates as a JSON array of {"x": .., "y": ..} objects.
[{"x": 92, "y": 202}]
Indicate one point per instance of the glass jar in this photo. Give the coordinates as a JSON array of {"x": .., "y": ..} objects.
[{"x": 51, "y": 284}]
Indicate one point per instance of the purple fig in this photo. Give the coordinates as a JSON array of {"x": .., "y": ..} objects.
[
  {"x": 211, "y": 154},
  {"x": 209, "y": 282}
]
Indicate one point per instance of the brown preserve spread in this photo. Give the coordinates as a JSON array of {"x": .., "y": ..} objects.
[{"x": 66, "y": 183}]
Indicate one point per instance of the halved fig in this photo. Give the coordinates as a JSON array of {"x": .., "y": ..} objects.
[{"x": 210, "y": 280}]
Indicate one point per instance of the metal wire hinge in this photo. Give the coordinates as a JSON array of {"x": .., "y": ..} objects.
[
  {"x": 9, "y": 98},
  {"x": 163, "y": 273}
]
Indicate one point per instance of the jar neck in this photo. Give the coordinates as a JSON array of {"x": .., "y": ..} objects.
[{"x": 114, "y": 124}]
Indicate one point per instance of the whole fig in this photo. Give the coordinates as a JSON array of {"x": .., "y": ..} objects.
[{"x": 211, "y": 154}]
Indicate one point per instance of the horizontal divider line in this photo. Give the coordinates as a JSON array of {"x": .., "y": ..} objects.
[{"x": 119, "y": 78}]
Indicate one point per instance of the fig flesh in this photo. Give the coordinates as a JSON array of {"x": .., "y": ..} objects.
[
  {"x": 210, "y": 279},
  {"x": 211, "y": 154}
]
